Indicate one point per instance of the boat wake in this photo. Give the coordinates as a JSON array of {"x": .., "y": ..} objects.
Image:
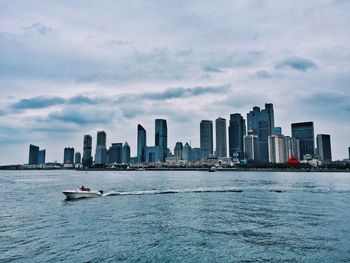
[{"x": 175, "y": 191}]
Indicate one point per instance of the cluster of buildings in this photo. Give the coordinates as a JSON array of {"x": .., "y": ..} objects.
[{"x": 255, "y": 139}]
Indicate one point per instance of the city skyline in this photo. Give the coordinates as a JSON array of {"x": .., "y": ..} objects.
[{"x": 63, "y": 76}]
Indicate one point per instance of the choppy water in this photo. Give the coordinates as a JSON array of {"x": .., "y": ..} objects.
[{"x": 175, "y": 217}]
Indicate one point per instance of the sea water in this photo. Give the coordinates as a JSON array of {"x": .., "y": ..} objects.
[{"x": 175, "y": 216}]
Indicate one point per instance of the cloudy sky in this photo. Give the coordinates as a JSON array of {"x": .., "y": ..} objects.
[{"x": 69, "y": 68}]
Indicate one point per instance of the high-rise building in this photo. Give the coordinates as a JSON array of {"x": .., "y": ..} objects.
[
  {"x": 115, "y": 153},
  {"x": 277, "y": 149},
  {"x": 349, "y": 152},
  {"x": 101, "y": 151},
  {"x": 41, "y": 156},
  {"x": 77, "y": 158},
  {"x": 262, "y": 122},
  {"x": 33, "y": 154},
  {"x": 277, "y": 130},
  {"x": 178, "y": 151},
  {"x": 236, "y": 131},
  {"x": 221, "y": 138},
  {"x": 141, "y": 144},
  {"x": 161, "y": 137},
  {"x": 126, "y": 153},
  {"x": 206, "y": 138},
  {"x": 154, "y": 154},
  {"x": 324, "y": 147},
  {"x": 87, "y": 157},
  {"x": 186, "y": 152},
  {"x": 295, "y": 148},
  {"x": 196, "y": 154},
  {"x": 68, "y": 156},
  {"x": 304, "y": 131},
  {"x": 250, "y": 146}
]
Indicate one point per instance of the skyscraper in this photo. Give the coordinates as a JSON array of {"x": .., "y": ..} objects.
[
  {"x": 295, "y": 148},
  {"x": 161, "y": 137},
  {"x": 68, "y": 156},
  {"x": 41, "y": 156},
  {"x": 178, "y": 151},
  {"x": 115, "y": 153},
  {"x": 277, "y": 149},
  {"x": 33, "y": 154},
  {"x": 262, "y": 122},
  {"x": 236, "y": 131},
  {"x": 77, "y": 158},
  {"x": 126, "y": 153},
  {"x": 221, "y": 137},
  {"x": 206, "y": 138},
  {"x": 101, "y": 151},
  {"x": 141, "y": 144},
  {"x": 304, "y": 131},
  {"x": 187, "y": 152},
  {"x": 87, "y": 158},
  {"x": 250, "y": 143},
  {"x": 324, "y": 147}
]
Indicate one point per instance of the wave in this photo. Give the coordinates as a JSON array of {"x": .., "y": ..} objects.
[{"x": 175, "y": 191}]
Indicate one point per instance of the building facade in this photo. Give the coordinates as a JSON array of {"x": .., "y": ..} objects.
[
  {"x": 262, "y": 122},
  {"x": 178, "y": 151},
  {"x": 154, "y": 154},
  {"x": 304, "y": 131},
  {"x": 101, "y": 150},
  {"x": 221, "y": 138},
  {"x": 161, "y": 137},
  {"x": 77, "y": 158},
  {"x": 141, "y": 144},
  {"x": 68, "y": 155},
  {"x": 87, "y": 150},
  {"x": 126, "y": 153},
  {"x": 115, "y": 153},
  {"x": 33, "y": 154},
  {"x": 41, "y": 156},
  {"x": 187, "y": 152},
  {"x": 206, "y": 138},
  {"x": 250, "y": 143},
  {"x": 277, "y": 149},
  {"x": 236, "y": 131},
  {"x": 324, "y": 150}
]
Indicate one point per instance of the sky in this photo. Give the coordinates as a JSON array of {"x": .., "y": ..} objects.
[{"x": 69, "y": 68}]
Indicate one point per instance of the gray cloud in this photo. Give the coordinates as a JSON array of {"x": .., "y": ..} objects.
[
  {"x": 211, "y": 69},
  {"x": 296, "y": 63},
  {"x": 39, "y": 28},
  {"x": 37, "y": 103}
]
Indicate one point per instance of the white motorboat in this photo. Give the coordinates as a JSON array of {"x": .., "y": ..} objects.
[{"x": 82, "y": 193}]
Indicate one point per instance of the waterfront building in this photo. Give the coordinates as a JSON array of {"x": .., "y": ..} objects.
[
  {"x": 154, "y": 154},
  {"x": 262, "y": 122},
  {"x": 101, "y": 150},
  {"x": 324, "y": 147},
  {"x": 87, "y": 149},
  {"x": 178, "y": 151},
  {"x": 33, "y": 154},
  {"x": 186, "y": 152},
  {"x": 304, "y": 131},
  {"x": 77, "y": 158},
  {"x": 250, "y": 146},
  {"x": 115, "y": 153},
  {"x": 196, "y": 154},
  {"x": 277, "y": 149},
  {"x": 206, "y": 138},
  {"x": 141, "y": 144},
  {"x": 277, "y": 130},
  {"x": 295, "y": 148},
  {"x": 68, "y": 156},
  {"x": 41, "y": 156},
  {"x": 161, "y": 137},
  {"x": 126, "y": 153},
  {"x": 236, "y": 131},
  {"x": 221, "y": 138}
]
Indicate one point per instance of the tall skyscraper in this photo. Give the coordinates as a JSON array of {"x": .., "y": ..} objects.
[
  {"x": 115, "y": 153},
  {"x": 101, "y": 151},
  {"x": 87, "y": 158},
  {"x": 206, "y": 138},
  {"x": 324, "y": 147},
  {"x": 277, "y": 149},
  {"x": 161, "y": 137},
  {"x": 262, "y": 122},
  {"x": 236, "y": 131},
  {"x": 187, "y": 152},
  {"x": 77, "y": 158},
  {"x": 221, "y": 137},
  {"x": 304, "y": 131},
  {"x": 250, "y": 143},
  {"x": 126, "y": 153},
  {"x": 141, "y": 144},
  {"x": 68, "y": 156},
  {"x": 33, "y": 154},
  {"x": 41, "y": 156},
  {"x": 178, "y": 151}
]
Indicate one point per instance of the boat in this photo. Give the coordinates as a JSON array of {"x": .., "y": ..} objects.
[
  {"x": 82, "y": 192},
  {"x": 212, "y": 169}
]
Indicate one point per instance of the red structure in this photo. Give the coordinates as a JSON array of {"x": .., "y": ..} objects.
[{"x": 293, "y": 161}]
